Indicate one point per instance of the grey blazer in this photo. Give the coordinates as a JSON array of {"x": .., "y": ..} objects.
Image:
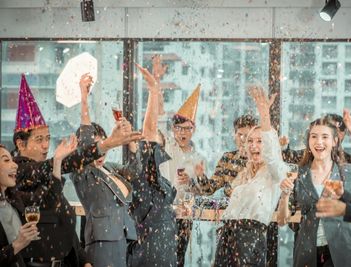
[
  {"x": 337, "y": 231},
  {"x": 105, "y": 206}
]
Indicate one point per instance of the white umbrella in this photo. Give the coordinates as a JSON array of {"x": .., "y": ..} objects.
[{"x": 67, "y": 84}]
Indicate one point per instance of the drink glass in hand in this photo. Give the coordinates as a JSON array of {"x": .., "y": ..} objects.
[
  {"x": 180, "y": 171},
  {"x": 292, "y": 174},
  {"x": 188, "y": 201},
  {"x": 117, "y": 112},
  {"x": 293, "y": 171},
  {"x": 32, "y": 214},
  {"x": 333, "y": 188}
]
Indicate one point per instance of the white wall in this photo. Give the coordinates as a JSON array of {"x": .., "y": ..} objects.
[{"x": 173, "y": 19}]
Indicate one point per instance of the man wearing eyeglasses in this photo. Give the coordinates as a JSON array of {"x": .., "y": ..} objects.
[
  {"x": 186, "y": 165},
  {"x": 183, "y": 169}
]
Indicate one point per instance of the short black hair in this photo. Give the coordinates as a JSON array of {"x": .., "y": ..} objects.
[
  {"x": 98, "y": 131},
  {"x": 22, "y": 135},
  {"x": 245, "y": 121},
  {"x": 337, "y": 120},
  {"x": 177, "y": 119}
]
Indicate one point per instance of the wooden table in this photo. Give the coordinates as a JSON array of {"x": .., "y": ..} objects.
[{"x": 199, "y": 214}]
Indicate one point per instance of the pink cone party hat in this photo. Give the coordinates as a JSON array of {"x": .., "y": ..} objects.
[{"x": 28, "y": 113}]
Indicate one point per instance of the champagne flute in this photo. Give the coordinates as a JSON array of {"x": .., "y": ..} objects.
[
  {"x": 292, "y": 175},
  {"x": 293, "y": 171},
  {"x": 32, "y": 214},
  {"x": 188, "y": 201}
]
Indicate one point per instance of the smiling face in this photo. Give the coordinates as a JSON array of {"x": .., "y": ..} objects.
[
  {"x": 321, "y": 142},
  {"x": 37, "y": 145},
  {"x": 254, "y": 145},
  {"x": 8, "y": 170}
]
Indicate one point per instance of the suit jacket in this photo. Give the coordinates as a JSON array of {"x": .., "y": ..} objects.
[
  {"x": 105, "y": 206},
  {"x": 337, "y": 231},
  {"x": 58, "y": 220},
  {"x": 153, "y": 196},
  {"x": 19, "y": 200}
]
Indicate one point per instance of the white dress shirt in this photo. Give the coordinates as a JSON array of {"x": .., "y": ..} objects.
[
  {"x": 179, "y": 160},
  {"x": 258, "y": 198}
]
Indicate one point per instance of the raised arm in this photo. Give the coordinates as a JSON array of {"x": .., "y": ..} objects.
[
  {"x": 271, "y": 151},
  {"x": 151, "y": 114},
  {"x": 85, "y": 84},
  {"x": 263, "y": 104},
  {"x": 158, "y": 70}
]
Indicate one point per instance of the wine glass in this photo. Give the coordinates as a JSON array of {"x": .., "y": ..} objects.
[
  {"x": 292, "y": 175},
  {"x": 293, "y": 171},
  {"x": 117, "y": 112},
  {"x": 188, "y": 201},
  {"x": 32, "y": 214}
]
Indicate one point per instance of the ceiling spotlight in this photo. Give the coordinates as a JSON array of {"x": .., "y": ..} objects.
[
  {"x": 329, "y": 10},
  {"x": 87, "y": 10}
]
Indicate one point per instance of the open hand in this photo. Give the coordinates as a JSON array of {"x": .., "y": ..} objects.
[
  {"x": 152, "y": 83},
  {"x": 200, "y": 169},
  {"x": 158, "y": 69},
  {"x": 261, "y": 100},
  {"x": 66, "y": 147}
]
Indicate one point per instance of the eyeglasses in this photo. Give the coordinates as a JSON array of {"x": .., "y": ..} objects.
[{"x": 187, "y": 129}]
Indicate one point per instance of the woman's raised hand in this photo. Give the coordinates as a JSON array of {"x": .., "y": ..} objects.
[
  {"x": 263, "y": 103},
  {"x": 152, "y": 84}
]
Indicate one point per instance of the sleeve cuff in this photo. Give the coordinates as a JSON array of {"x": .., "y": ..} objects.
[
  {"x": 346, "y": 197},
  {"x": 347, "y": 216}
]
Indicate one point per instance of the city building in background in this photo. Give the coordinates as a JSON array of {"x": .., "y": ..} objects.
[{"x": 315, "y": 80}]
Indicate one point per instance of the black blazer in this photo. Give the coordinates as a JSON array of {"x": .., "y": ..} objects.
[
  {"x": 19, "y": 200},
  {"x": 57, "y": 218},
  {"x": 153, "y": 196},
  {"x": 337, "y": 231}
]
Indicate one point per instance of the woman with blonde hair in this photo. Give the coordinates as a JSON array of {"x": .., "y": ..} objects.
[{"x": 255, "y": 194}]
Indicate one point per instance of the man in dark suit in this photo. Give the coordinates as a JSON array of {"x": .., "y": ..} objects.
[{"x": 59, "y": 245}]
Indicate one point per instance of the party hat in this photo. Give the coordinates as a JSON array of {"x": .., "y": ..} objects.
[
  {"x": 28, "y": 113},
  {"x": 189, "y": 108}
]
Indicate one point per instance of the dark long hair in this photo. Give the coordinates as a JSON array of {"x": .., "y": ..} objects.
[
  {"x": 2, "y": 197},
  {"x": 337, "y": 153}
]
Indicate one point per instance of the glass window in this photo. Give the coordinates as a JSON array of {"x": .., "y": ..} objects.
[
  {"x": 311, "y": 89},
  {"x": 348, "y": 51},
  {"x": 348, "y": 68},
  {"x": 329, "y": 51},
  {"x": 312, "y": 84},
  {"x": 224, "y": 70},
  {"x": 329, "y": 68},
  {"x": 42, "y": 62},
  {"x": 236, "y": 65}
]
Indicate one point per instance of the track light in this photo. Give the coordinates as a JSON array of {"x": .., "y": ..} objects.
[
  {"x": 87, "y": 10},
  {"x": 329, "y": 10}
]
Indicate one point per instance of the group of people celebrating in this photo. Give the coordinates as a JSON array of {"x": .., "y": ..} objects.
[{"x": 130, "y": 214}]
